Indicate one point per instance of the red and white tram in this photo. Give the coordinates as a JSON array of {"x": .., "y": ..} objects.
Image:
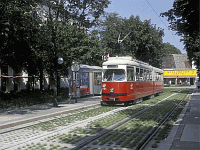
[{"x": 126, "y": 80}]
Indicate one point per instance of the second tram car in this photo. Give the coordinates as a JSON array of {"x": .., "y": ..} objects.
[
  {"x": 126, "y": 80},
  {"x": 85, "y": 81}
]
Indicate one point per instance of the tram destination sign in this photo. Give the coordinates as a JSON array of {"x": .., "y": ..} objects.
[{"x": 112, "y": 66}]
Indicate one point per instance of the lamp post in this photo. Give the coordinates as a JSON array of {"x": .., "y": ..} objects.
[{"x": 59, "y": 61}]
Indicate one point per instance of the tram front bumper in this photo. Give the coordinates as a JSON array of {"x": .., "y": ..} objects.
[{"x": 114, "y": 97}]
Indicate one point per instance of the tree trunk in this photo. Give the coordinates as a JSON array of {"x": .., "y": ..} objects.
[
  {"x": 55, "y": 102},
  {"x": 41, "y": 79}
]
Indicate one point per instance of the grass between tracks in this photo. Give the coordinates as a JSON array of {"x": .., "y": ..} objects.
[
  {"x": 71, "y": 117},
  {"x": 128, "y": 135},
  {"x": 132, "y": 133},
  {"x": 164, "y": 131}
]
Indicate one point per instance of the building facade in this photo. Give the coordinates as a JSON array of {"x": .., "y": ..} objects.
[{"x": 178, "y": 70}]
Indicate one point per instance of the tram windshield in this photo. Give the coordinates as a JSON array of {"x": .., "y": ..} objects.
[{"x": 114, "y": 75}]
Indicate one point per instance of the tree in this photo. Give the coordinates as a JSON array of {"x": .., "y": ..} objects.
[
  {"x": 62, "y": 38},
  {"x": 169, "y": 49},
  {"x": 84, "y": 13},
  {"x": 184, "y": 19},
  {"x": 35, "y": 44},
  {"x": 143, "y": 40},
  {"x": 19, "y": 25},
  {"x": 146, "y": 41},
  {"x": 109, "y": 32},
  {"x": 95, "y": 50}
]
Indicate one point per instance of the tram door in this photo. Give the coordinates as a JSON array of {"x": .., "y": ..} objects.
[{"x": 97, "y": 83}]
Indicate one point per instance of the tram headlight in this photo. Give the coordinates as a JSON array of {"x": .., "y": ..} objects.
[{"x": 111, "y": 90}]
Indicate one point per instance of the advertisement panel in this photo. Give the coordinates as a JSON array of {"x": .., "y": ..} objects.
[{"x": 179, "y": 72}]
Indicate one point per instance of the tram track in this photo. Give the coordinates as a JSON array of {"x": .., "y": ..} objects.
[
  {"x": 156, "y": 129},
  {"x": 24, "y": 128},
  {"x": 8, "y": 127},
  {"x": 66, "y": 128},
  {"x": 111, "y": 128},
  {"x": 103, "y": 134},
  {"x": 73, "y": 125}
]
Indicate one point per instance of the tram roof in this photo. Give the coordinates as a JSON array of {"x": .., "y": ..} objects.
[
  {"x": 129, "y": 61},
  {"x": 158, "y": 70},
  {"x": 125, "y": 61},
  {"x": 84, "y": 67}
]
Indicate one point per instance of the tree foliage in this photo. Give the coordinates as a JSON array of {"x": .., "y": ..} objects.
[
  {"x": 170, "y": 49},
  {"x": 84, "y": 13},
  {"x": 184, "y": 19},
  {"x": 19, "y": 25},
  {"x": 39, "y": 31},
  {"x": 144, "y": 41}
]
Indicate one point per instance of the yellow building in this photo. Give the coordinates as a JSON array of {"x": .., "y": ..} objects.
[
  {"x": 178, "y": 70},
  {"x": 180, "y": 76}
]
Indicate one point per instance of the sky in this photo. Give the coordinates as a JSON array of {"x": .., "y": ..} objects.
[{"x": 141, "y": 8}]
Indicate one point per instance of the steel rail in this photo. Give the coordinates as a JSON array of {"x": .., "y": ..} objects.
[
  {"x": 88, "y": 140},
  {"x": 156, "y": 129},
  {"x": 70, "y": 126},
  {"x": 106, "y": 130},
  {"x": 9, "y": 127}
]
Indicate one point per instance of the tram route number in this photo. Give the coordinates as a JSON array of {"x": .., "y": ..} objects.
[{"x": 131, "y": 86}]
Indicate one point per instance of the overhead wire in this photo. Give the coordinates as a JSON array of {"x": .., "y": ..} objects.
[{"x": 163, "y": 22}]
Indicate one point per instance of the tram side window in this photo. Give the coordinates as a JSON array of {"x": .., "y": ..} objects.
[
  {"x": 141, "y": 75},
  {"x": 150, "y": 75},
  {"x": 147, "y": 75},
  {"x": 84, "y": 79},
  {"x": 137, "y": 74},
  {"x": 97, "y": 78},
  {"x": 156, "y": 76},
  {"x": 130, "y": 74},
  {"x": 160, "y": 77}
]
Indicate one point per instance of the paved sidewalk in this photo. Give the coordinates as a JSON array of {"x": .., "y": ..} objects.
[
  {"x": 16, "y": 116},
  {"x": 185, "y": 134}
]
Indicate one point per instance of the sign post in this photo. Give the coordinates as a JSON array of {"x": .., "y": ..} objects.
[{"x": 75, "y": 81}]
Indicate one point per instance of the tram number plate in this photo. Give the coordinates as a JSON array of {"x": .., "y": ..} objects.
[{"x": 112, "y": 99}]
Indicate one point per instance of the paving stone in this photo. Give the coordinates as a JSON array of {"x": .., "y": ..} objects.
[{"x": 191, "y": 133}]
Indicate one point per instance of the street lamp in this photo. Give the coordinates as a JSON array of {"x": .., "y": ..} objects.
[{"x": 59, "y": 61}]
